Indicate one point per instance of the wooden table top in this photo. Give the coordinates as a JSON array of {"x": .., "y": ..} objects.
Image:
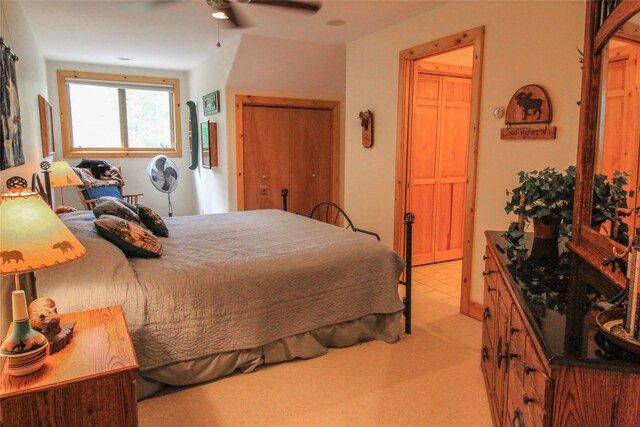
[{"x": 100, "y": 345}]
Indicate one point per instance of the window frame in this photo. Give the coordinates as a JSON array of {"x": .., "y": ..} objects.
[{"x": 69, "y": 151}]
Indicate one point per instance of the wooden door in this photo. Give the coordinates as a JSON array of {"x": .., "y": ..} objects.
[
  {"x": 266, "y": 156},
  {"x": 289, "y": 148},
  {"x": 622, "y": 117},
  {"x": 423, "y": 153},
  {"x": 310, "y": 158},
  {"x": 438, "y": 165}
]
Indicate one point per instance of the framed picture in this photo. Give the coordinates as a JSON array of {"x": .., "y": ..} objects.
[
  {"x": 46, "y": 126},
  {"x": 204, "y": 139},
  {"x": 209, "y": 131},
  {"x": 211, "y": 103},
  {"x": 213, "y": 144}
]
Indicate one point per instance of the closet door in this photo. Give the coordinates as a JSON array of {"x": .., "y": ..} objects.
[
  {"x": 287, "y": 147},
  {"x": 310, "y": 158},
  {"x": 266, "y": 156},
  {"x": 451, "y": 184},
  {"x": 422, "y": 164},
  {"x": 438, "y": 165},
  {"x": 622, "y": 118}
]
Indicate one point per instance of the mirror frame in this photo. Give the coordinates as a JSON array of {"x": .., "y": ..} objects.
[{"x": 603, "y": 19}]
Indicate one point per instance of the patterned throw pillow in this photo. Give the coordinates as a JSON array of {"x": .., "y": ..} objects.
[
  {"x": 153, "y": 221},
  {"x": 132, "y": 240},
  {"x": 119, "y": 200},
  {"x": 115, "y": 208}
]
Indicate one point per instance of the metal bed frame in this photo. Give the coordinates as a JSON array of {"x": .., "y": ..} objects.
[{"x": 322, "y": 211}]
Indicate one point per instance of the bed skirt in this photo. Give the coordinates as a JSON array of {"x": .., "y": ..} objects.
[{"x": 381, "y": 327}]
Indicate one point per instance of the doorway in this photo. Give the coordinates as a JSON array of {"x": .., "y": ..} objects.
[
  {"x": 286, "y": 143},
  {"x": 437, "y": 152}
]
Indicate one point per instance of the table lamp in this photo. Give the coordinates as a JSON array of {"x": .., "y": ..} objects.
[
  {"x": 61, "y": 175},
  {"x": 32, "y": 237}
]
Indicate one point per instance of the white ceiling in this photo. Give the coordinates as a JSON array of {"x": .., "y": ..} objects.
[{"x": 181, "y": 34}]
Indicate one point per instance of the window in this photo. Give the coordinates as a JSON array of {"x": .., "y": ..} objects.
[{"x": 118, "y": 115}]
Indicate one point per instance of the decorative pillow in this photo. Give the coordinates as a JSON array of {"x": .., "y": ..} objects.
[
  {"x": 153, "y": 221},
  {"x": 132, "y": 240},
  {"x": 116, "y": 208},
  {"x": 131, "y": 206}
]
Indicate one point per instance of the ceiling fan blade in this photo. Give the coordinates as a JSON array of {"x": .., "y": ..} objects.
[
  {"x": 304, "y": 6},
  {"x": 147, "y": 6},
  {"x": 233, "y": 17}
]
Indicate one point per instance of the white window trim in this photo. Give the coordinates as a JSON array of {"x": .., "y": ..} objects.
[{"x": 69, "y": 151}]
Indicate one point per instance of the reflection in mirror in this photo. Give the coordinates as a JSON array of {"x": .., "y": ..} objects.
[{"x": 615, "y": 201}]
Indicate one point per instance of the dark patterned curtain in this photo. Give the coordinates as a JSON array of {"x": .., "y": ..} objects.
[{"x": 11, "y": 153}]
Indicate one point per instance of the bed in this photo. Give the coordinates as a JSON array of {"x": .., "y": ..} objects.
[{"x": 235, "y": 291}]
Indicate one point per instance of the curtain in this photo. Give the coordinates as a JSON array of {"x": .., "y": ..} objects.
[{"x": 11, "y": 152}]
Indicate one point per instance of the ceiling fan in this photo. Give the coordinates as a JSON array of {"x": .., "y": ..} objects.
[{"x": 226, "y": 7}]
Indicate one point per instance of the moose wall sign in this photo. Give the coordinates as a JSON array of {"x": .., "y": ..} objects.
[{"x": 528, "y": 105}]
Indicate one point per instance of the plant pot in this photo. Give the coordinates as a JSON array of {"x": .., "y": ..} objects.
[{"x": 546, "y": 231}]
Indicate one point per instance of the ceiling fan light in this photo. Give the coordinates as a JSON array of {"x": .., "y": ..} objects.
[{"x": 219, "y": 15}]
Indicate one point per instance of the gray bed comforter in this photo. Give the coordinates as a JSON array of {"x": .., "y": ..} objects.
[{"x": 228, "y": 282}]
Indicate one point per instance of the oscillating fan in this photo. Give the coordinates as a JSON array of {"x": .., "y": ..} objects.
[{"x": 163, "y": 174}]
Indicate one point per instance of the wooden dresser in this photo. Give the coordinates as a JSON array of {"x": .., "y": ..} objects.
[
  {"x": 90, "y": 382},
  {"x": 540, "y": 357}
]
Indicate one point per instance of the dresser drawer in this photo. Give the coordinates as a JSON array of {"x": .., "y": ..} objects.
[
  {"x": 517, "y": 414},
  {"x": 517, "y": 332},
  {"x": 536, "y": 383},
  {"x": 490, "y": 274}
]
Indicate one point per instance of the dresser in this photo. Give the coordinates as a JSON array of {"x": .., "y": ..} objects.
[
  {"x": 543, "y": 362},
  {"x": 89, "y": 382}
]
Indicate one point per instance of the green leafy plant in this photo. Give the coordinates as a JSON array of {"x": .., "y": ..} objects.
[
  {"x": 610, "y": 204},
  {"x": 548, "y": 196}
]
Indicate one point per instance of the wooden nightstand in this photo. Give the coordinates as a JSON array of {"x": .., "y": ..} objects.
[{"x": 92, "y": 381}]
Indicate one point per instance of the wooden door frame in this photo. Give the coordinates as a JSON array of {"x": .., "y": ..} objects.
[
  {"x": 408, "y": 57},
  {"x": 265, "y": 101}
]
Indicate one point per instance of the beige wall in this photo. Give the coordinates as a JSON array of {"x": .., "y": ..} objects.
[
  {"x": 258, "y": 66},
  {"x": 134, "y": 170},
  {"x": 212, "y": 185},
  {"x": 525, "y": 43},
  {"x": 463, "y": 57},
  {"x": 32, "y": 81}
]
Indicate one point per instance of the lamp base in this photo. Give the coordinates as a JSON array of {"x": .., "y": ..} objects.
[
  {"x": 27, "y": 363},
  {"x": 25, "y": 349}
]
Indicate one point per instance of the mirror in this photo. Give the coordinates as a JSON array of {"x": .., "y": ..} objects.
[
  {"x": 614, "y": 212},
  {"x": 608, "y": 135}
]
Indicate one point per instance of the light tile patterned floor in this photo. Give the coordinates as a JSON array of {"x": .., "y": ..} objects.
[{"x": 440, "y": 281}]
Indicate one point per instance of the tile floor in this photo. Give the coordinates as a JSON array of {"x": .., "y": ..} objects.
[{"x": 440, "y": 281}]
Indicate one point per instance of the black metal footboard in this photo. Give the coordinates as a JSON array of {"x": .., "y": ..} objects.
[{"x": 409, "y": 219}]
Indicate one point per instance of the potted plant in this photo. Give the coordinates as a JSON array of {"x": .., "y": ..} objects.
[{"x": 544, "y": 197}]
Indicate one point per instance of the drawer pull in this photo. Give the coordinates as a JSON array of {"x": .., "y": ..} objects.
[
  {"x": 512, "y": 355},
  {"x": 486, "y": 273},
  {"x": 528, "y": 369},
  {"x": 487, "y": 313},
  {"x": 500, "y": 355},
  {"x": 490, "y": 289},
  {"x": 517, "y": 416},
  {"x": 526, "y": 399},
  {"x": 485, "y": 258},
  {"x": 513, "y": 330},
  {"x": 485, "y": 353}
]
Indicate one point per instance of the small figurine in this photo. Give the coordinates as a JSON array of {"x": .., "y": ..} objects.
[{"x": 43, "y": 316}]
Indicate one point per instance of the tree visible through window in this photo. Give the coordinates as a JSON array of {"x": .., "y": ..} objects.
[{"x": 109, "y": 114}]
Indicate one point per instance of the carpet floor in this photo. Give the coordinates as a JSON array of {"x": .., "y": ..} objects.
[{"x": 429, "y": 378}]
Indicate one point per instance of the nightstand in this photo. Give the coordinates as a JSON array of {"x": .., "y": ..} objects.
[{"x": 92, "y": 381}]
